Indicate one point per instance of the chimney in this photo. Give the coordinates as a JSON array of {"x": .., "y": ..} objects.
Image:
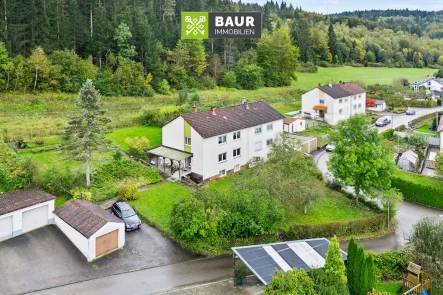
[
  {"x": 330, "y": 83},
  {"x": 319, "y": 84},
  {"x": 243, "y": 100},
  {"x": 194, "y": 109},
  {"x": 213, "y": 111}
]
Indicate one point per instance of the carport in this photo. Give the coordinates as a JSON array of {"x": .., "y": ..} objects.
[
  {"x": 182, "y": 158},
  {"x": 24, "y": 211},
  {"x": 263, "y": 260},
  {"x": 94, "y": 231}
]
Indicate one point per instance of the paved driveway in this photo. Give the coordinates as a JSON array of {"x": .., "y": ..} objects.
[{"x": 45, "y": 258}]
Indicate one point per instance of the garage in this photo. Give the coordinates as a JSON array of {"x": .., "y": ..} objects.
[
  {"x": 94, "y": 231},
  {"x": 24, "y": 211}
]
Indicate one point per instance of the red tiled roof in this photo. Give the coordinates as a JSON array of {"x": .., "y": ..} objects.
[
  {"x": 342, "y": 90},
  {"x": 288, "y": 121}
]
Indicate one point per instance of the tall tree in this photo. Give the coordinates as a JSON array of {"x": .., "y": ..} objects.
[
  {"x": 302, "y": 38},
  {"x": 334, "y": 261},
  {"x": 360, "y": 159},
  {"x": 123, "y": 36},
  {"x": 350, "y": 269},
  {"x": 39, "y": 63},
  {"x": 332, "y": 42},
  {"x": 84, "y": 135}
]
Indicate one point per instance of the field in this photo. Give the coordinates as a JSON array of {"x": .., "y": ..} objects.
[
  {"x": 368, "y": 75},
  {"x": 154, "y": 134}
]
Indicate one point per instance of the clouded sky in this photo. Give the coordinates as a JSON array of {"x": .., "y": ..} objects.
[{"x": 333, "y": 6}]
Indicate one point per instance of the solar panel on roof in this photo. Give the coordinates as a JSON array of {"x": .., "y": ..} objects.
[{"x": 263, "y": 260}]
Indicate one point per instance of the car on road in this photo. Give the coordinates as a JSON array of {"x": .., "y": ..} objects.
[
  {"x": 383, "y": 121},
  {"x": 411, "y": 112},
  {"x": 330, "y": 147},
  {"x": 125, "y": 212}
]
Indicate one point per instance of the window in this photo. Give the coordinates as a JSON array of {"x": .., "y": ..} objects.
[
  {"x": 301, "y": 123},
  {"x": 322, "y": 101},
  {"x": 429, "y": 83},
  {"x": 355, "y": 97},
  {"x": 222, "y": 173},
  {"x": 355, "y": 106},
  {"x": 359, "y": 96},
  {"x": 236, "y": 168},
  {"x": 187, "y": 140},
  {"x": 236, "y": 153},
  {"x": 258, "y": 146},
  {"x": 222, "y": 139},
  {"x": 359, "y": 105},
  {"x": 340, "y": 111},
  {"x": 340, "y": 100},
  {"x": 236, "y": 135},
  {"x": 222, "y": 158},
  {"x": 258, "y": 130},
  {"x": 269, "y": 142},
  {"x": 346, "y": 100},
  {"x": 270, "y": 127}
]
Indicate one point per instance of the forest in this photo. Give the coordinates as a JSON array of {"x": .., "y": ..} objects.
[{"x": 133, "y": 47}]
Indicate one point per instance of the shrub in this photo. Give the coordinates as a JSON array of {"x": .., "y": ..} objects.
[
  {"x": 128, "y": 191},
  {"x": 334, "y": 261},
  {"x": 341, "y": 229},
  {"x": 137, "y": 146},
  {"x": 55, "y": 181},
  {"x": 239, "y": 273},
  {"x": 327, "y": 283},
  {"x": 163, "y": 87},
  {"x": 323, "y": 64},
  {"x": 228, "y": 79},
  {"x": 388, "y": 134},
  {"x": 390, "y": 265},
  {"x": 308, "y": 67},
  {"x": 195, "y": 97},
  {"x": 419, "y": 103},
  {"x": 439, "y": 102},
  {"x": 295, "y": 281},
  {"x": 207, "y": 82},
  {"x": 81, "y": 193},
  {"x": 419, "y": 189},
  {"x": 182, "y": 97}
]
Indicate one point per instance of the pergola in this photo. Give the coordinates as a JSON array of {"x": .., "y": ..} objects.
[{"x": 171, "y": 154}]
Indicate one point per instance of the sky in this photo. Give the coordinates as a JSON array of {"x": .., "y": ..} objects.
[{"x": 335, "y": 6}]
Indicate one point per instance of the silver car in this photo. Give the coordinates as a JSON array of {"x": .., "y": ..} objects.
[{"x": 411, "y": 112}]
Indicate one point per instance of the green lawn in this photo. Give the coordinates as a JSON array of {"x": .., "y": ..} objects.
[
  {"x": 333, "y": 207},
  {"x": 154, "y": 134},
  {"x": 60, "y": 200},
  {"x": 319, "y": 132},
  {"x": 286, "y": 107},
  {"x": 223, "y": 183},
  {"x": 155, "y": 204},
  {"x": 425, "y": 129},
  {"x": 415, "y": 178},
  {"x": 391, "y": 287},
  {"x": 51, "y": 159},
  {"x": 368, "y": 75}
]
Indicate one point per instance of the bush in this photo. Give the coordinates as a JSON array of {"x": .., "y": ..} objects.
[
  {"x": 55, "y": 181},
  {"x": 323, "y": 64},
  {"x": 419, "y": 103},
  {"x": 195, "y": 97},
  {"x": 340, "y": 229},
  {"x": 81, "y": 193},
  {"x": 163, "y": 87},
  {"x": 295, "y": 281},
  {"x": 439, "y": 102},
  {"x": 138, "y": 146},
  {"x": 419, "y": 189},
  {"x": 391, "y": 265},
  {"x": 239, "y": 273},
  {"x": 182, "y": 97},
  {"x": 228, "y": 79},
  {"x": 207, "y": 82},
  {"x": 128, "y": 191},
  {"x": 308, "y": 67},
  {"x": 327, "y": 283},
  {"x": 388, "y": 134}
]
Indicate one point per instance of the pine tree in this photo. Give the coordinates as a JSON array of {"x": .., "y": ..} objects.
[
  {"x": 363, "y": 276},
  {"x": 302, "y": 36},
  {"x": 371, "y": 277},
  {"x": 267, "y": 23},
  {"x": 358, "y": 267},
  {"x": 352, "y": 253},
  {"x": 85, "y": 134},
  {"x": 334, "y": 260},
  {"x": 332, "y": 42}
]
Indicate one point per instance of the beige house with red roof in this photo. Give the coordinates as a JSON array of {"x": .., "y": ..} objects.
[
  {"x": 334, "y": 102},
  {"x": 292, "y": 125}
]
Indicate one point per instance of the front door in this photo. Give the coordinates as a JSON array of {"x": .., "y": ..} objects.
[{"x": 322, "y": 114}]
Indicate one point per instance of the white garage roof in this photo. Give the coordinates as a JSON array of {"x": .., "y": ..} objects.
[{"x": 13, "y": 201}]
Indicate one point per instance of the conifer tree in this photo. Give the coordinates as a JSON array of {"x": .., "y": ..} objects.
[
  {"x": 359, "y": 265},
  {"x": 352, "y": 253},
  {"x": 334, "y": 260}
]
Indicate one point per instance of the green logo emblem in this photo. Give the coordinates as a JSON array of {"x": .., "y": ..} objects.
[{"x": 195, "y": 25}]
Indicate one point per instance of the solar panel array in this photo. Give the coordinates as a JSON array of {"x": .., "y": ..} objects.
[{"x": 262, "y": 260}]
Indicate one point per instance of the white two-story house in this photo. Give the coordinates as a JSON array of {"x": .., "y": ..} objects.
[
  {"x": 334, "y": 102},
  {"x": 222, "y": 141},
  {"x": 433, "y": 85}
]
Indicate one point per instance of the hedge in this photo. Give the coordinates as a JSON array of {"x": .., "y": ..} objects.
[
  {"x": 423, "y": 190},
  {"x": 419, "y": 103},
  {"x": 340, "y": 229}
]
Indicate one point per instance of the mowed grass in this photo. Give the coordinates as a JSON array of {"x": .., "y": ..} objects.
[
  {"x": 52, "y": 159},
  {"x": 418, "y": 179},
  {"x": 286, "y": 107},
  {"x": 333, "y": 207},
  {"x": 118, "y": 136},
  {"x": 155, "y": 204},
  {"x": 368, "y": 75},
  {"x": 425, "y": 129},
  {"x": 390, "y": 287}
]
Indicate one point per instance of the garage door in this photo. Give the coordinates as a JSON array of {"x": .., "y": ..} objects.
[
  {"x": 35, "y": 218},
  {"x": 5, "y": 228},
  {"x": 106, "y": 243}
]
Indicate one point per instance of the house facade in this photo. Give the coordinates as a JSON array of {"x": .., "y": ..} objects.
[
  {"x": 431, "y": 83},
  {"x": 291, "y": 125},
  {"x": 334, "y": 102},
  {"x": 440, "y": 130},
  {"x": 224, "y": 140}
]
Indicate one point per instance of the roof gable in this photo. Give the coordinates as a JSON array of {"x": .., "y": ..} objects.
[
  {"x": 84, "y": 216},
  {"x": 13, "y": 201},
  {"x": 233, "y": 118},
  {"x": 342, "y": 89}
]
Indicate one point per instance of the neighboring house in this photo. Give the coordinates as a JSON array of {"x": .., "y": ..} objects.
[
  {"x": 291, "y": 125},
  {"x": 440, "y": 129},
  {"x": 380, "y": 106},
  {"x": 220, "y": 141},
  {"x": 24, "y": 211},
  {"x": 94, "y": 231},
  {"x": 334, "y": 102},
  {"x": 431, "y": 84},
  {"x": 408, "y": 161}
]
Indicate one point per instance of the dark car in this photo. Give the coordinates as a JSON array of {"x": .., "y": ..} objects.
[{"x": 125, "y": 212}]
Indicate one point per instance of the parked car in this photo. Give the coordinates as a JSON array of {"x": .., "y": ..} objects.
[
  {"x": 125, "y": 212},
  {"x": 383, "y": 121},
  {"x": 330, "y": 147},
  {"x": 411, "y": 112}
]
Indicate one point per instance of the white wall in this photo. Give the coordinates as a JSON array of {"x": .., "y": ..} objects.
[
  {"x": 173, "y": 134},
  {"x": 297, "y": 126},
  {"x": 211, "y": 149},
  {"x": 79, "y": 240},
  {"x": 107, "y": 228},
  {"x": 441, "y": 141},
  {"x": 434, "y": 86},
  {"x": 197, "y": 151},
  {"x": 17, "y": 216}
]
